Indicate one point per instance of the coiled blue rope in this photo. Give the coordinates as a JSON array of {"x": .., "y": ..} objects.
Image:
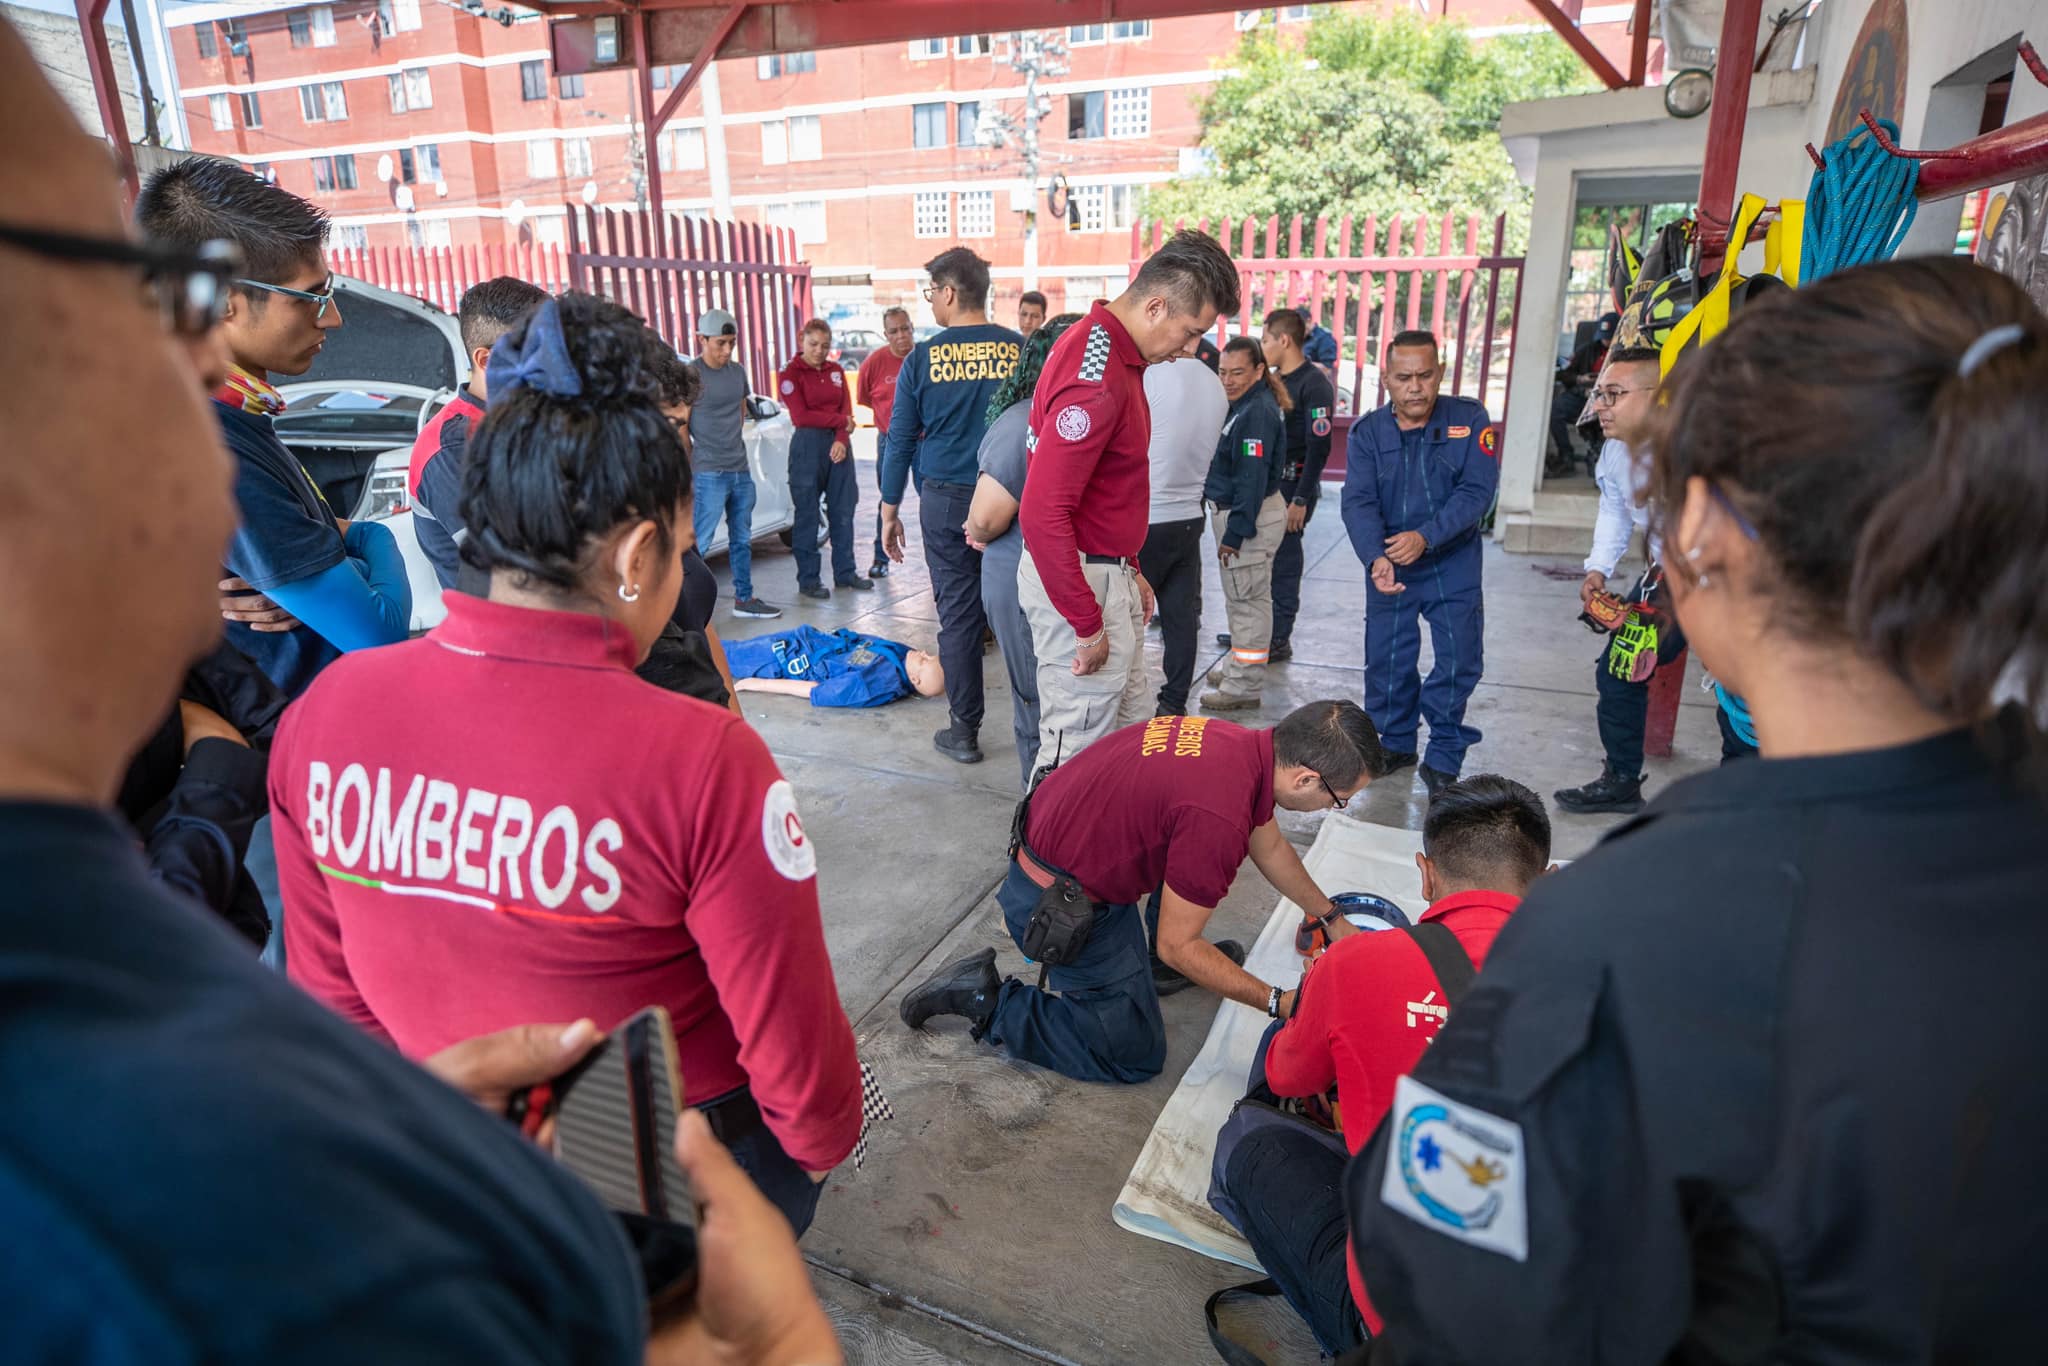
[{"x": 1860, "y": 204}]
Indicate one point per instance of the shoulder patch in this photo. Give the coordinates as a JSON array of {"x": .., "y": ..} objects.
[
  {"x": 1459, "y": 433},
  {"x": 1095, "y": 354},
  {"x": 1072, "y": 423},
  {"x": 1489, "y": 440},
  {"x": 789, "y": 386},
  {"x": 1459, "y": 1171},
  {"x": 782, "y": 833}
]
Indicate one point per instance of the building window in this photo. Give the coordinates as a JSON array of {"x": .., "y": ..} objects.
[
  {"x": 301, "y": 28},
  {"x": 805, "y": 218},
  {"x": 932, "y": 215},
  {"x": 429, "y": 155},
  {"x": 209, "y": 47},
  {"x": 533, "y": 80},
  {"x": 684, "y": 151},
  {"x": 922, "y": 48},
  {"x": 349, "y": 237},
  {"x": 540, "y": 158},
  {"x": 784, "y": 64},
  {"x": 1130, "y": 113},
  {"x": 806, "y": 138},
  {"x": 576, "y": 158},
  {"x": 323, "y": 103},
  {"x": 403, "y": 15},
  {"x": 967, "y": 123},
  {"x": 1131, "y": 30},
  {"x": 928, "y": 125},
  {"x": 664, "y": 77},
  {"x": 977, "y": 213},
  {"x": 223, "y": 111},
  {"x": 323, "y": 25},
  {"x": 1295, "y": 14},
  {"x": 1084, "y": 115},
  {"x": 407, "y": 171},
  {"x": 973, "y": 45},
  {"x": 1106, "y": 208},
  {"x": 334, "y": 173},
  {"x": 569, "y": 87},
  {"x": 238, "y": 37},
  {"x": 1080, "y": 35},
  {"x": 252, "y": 111},
  {"x": 264, "y": 172},
  {"x": 411, "y": 89},
  {"x": 550, "y": 232},
  {"x": 774, "y": 142}
]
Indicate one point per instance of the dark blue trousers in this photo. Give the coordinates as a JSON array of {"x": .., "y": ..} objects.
[
  {"x": 956, "y": 587},
  {"x": 1100, "y": 1021},
  {"x": 1623, "y": 710},
  {"x": 788, "y": 1187},
  {"x": 814, "y": 477},
  {"x": 1288, "y": 1189},
  {"x": 1287, "y": 566},
  {"x": 1445, "y": 592}
]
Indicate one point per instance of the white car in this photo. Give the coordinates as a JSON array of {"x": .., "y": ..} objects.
[{"x": 383, "y": 375}]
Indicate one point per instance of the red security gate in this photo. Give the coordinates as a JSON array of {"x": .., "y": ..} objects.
[
  {"x": 673, "y": 274},
  {"x": 1424, "y": 278}
]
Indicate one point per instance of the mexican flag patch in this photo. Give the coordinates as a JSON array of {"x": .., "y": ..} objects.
[{"x": 1254, "y": 449}]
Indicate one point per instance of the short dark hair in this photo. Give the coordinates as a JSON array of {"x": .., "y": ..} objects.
[
  {"x": 205, "y": 199},
  {"x": 1417, "y": 338},
  {"x": 493, "y": 308},
  {"x": 1031, "y": 296},
  {"x": 676, "y": 381},
  {"x": 965, "y": 272},
  {"x": 1332, "y": 738},
  {"x": 1193, "y": 272},
  {"x": 546, "y": 477},
  {"x": 1488, "y": 832},
  {"x": 816, "y": 325},
  {"x": 1289, "y": 323},
  {"x": 1634, "y": 355}
]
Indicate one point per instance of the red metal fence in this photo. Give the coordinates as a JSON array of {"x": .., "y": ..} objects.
[
  {"x": 669, "y": 278},
  {"x": 1422, "y": 278}
]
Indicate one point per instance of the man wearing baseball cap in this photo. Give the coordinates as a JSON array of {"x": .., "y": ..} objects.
[{"x": 721, "y": 483}]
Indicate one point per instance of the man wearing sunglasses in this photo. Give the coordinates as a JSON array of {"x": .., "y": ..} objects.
[
  {"x": 1162, "y": 813},
  {"x": 316, "y": 586}
]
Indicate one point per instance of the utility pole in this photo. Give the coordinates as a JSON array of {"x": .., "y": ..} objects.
[
  {"x": 714, "y": 142},
  {"x": 1036, "y": 55}
]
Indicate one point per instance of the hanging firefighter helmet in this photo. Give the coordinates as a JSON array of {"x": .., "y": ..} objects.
[{"x": 1654, "y": 309}]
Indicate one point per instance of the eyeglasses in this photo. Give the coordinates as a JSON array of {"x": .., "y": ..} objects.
[
  {"x": 932, "y": 292},
  {"x": 1607, "y": 398},
  {"x": 319, "y": 299},
  {"x": 191, "y": 287},
  {"x": 1339, "y": 802}
]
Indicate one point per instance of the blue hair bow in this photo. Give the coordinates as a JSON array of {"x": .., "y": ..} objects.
[{"x": 535, "y": 357}]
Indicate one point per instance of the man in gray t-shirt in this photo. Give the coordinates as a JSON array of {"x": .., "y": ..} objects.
[{"x": 722, "y": 484}]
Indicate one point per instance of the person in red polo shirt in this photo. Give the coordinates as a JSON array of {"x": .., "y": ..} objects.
[
  {"x": 875, "y": 385},
  {"x": 813, "y": 387},
  {"x": 1087, "y": 496},
  {"x": 1367, "y": 1009},
  {"x": 489, "y": 310},
  {"x": 499, "y": 823},
  {"x": 1163, "y": 812}
]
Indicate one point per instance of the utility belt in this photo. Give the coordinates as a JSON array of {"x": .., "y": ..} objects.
[
  {"x": 1106, "y": 559},
  {"x": 1063, "y": 918}
]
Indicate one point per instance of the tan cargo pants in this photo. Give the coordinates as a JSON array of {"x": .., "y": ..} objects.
[
  {"x": 1248, "y": 599},
  {"x": 1074, "y": 713}
]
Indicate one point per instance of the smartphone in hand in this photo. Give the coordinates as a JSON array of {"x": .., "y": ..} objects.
[{"x": 615, "y": 1120}]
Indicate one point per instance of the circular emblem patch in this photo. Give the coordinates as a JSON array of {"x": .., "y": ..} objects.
[
  {"x": 782, "y": 834},
  {"x": 789, "y": 386},
  {"x": 1322, "y": 426},
  {"x": 1072, "y": 423},
  {"x": 837, "y": 378},
  {"x": 1489, "y": 441}
]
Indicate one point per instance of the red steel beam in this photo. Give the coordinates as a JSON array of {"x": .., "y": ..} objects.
[
  {"x": 2014, "y": 152},
  {"x": 1727, "y": 119},
  {"x": 99, "y": 60},
  {"x": 1581, "y": 44},
  {"x": 1639, "y": 44}
]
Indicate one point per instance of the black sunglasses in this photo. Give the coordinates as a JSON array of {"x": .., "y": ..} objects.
[{"x": 191, "y": 286}]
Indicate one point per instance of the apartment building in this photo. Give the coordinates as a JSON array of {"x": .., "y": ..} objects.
[{"x": 422, "y": 122}]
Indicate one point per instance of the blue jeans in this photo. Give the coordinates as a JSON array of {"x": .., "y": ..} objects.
[
  {"x": 728, "y": 494},
  {"x": 1289, "y": 1191},
  {"x": 1103, "y": 1023},
  {"x": 813, "y": 476},
  {"x": 788, "y": 1187}
]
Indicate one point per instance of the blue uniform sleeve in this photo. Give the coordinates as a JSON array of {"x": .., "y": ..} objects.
[
  {"x": 1251, "y": 474},
  {"x": 1478, "y": 480},
  {"x": 362, "y": 602},
  {"x": 905, "y": 422},
  {"x": 1321, "y": 397},
  {"x": 279, "y": 541},
  {"x": 1361, "y": 504}
]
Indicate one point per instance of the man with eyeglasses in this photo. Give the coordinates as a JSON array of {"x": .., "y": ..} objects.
[
  {"x": 1623, "y": 399},
  {"x": 307, "y": 586},
  {"x": 1160, "y": 813}
]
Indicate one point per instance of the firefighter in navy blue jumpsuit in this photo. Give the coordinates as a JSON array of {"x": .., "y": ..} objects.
[{"x": 1420, "y": 474}]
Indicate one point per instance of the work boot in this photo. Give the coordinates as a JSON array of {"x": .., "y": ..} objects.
[
  {"x": 879, "y": 569},
  {"x": 816, "y": 591},
  {"x": 966, "y": 986},
  {"x": 1435, "y": 779},
  {"x": 1393, "y": 761},
  {"x": 1608, "y": 792},
  {"x": 1281, "y": 652},
  {"x": 855, "y": 582},
  {"x": 1170, "y": 980},
  {"x": 958, "y": 743},
  {"x": 1218, "y": 700}
]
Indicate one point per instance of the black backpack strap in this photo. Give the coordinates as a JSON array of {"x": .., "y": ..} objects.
[
  {"x": 1447, "y": 958},
  {"x": 1235, "y": 1354}
]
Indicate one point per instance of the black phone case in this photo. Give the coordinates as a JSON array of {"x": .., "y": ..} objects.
[{"x": 615, "y": 1122}]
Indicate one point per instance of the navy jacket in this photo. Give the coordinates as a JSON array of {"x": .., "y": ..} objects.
[
  {"x": 1441, "y": 487},
  {"x": 1246, "y": 467},
  {"x": 941, "y": 408}
]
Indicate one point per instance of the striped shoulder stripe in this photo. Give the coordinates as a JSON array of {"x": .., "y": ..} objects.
[{"x": 1095, "y": 355}]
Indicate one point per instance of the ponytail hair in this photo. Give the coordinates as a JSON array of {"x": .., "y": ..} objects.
[
  {"x": 1246, "y": 346},
  {"x": 1884, "y": 431}
]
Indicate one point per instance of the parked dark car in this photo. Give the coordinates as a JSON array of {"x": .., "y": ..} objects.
[{"x": 853, "y": 345}]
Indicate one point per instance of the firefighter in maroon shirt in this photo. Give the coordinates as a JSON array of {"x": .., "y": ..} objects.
[
  {"x": 813, "y": 388},
  {"x": 1162, "y": 812},
  {"x": 1087, "y": 504},
  {"x": 500, "y": 823}
]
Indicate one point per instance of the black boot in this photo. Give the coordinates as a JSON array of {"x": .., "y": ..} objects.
[
  {"x": 1608, "y": 792},
  {"x": 1393, "y": 761},
  {"x": 966, "y": 986},
  {"x": 958, "y": 743},
  {"x": 1169, "y": 980},
  {"x": 1435, "y": 779}
]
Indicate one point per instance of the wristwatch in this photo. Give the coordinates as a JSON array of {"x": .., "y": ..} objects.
[{"x": 1273, "y": 1003}]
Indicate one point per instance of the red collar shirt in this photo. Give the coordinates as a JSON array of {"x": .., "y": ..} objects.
[
  {"x": 1367, "y": 1010},
  {"x": 816, "y": 397},
  {"x": 499, "y": 823},
  {"x": 876, "y": 382}
]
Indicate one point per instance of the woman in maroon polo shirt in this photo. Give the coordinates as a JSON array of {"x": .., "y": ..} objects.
[{"x": 498, "y": 822}]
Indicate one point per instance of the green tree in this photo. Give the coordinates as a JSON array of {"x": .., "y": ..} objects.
[{"x": 1369, "y": 114}]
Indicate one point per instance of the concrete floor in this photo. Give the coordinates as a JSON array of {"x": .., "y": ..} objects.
[{"x": 980, "y": 1229}]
